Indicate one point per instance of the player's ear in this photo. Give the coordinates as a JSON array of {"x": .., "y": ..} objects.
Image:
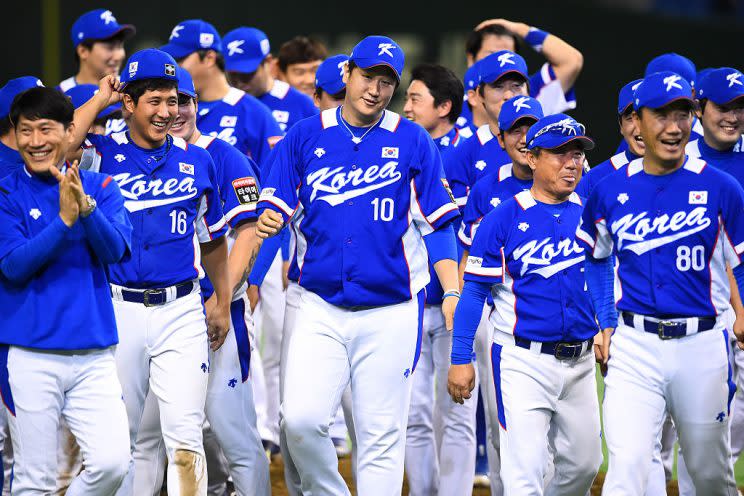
[
  {"x": 532, "y": 158},
  {"x": 82, "y": 51},
  {"x": 698, "y": 109},
  {"x": 127, "y": 103},
  {"x": 500, "y": 137},
  {"x": 444, "y": 108},
  {"x": 347, "y": 74}
]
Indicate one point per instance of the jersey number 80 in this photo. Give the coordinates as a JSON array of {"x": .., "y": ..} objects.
[{"x": 690, "y": 258}]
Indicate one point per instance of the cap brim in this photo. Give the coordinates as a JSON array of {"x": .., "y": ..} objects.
[
  {"x": 621, "y": 111},
  {"x": 727, "y": 102},
  {"x": 507, "y": 73},
  {"x": 586, "y": 140},
  {"x": 177, "y": 51},
  {"x": 673, "y": 100},
  {"x": 368, "y": 64},
  {"x": 512, "y": 123},
  {"x": 246, "y": 66},
  {"x": 128, "y": 30},
  {"x": 183, "y": 91}
]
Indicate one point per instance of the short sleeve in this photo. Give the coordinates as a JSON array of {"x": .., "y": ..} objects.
[
  {"x": 280, "y": 188},
  {"x": 547, "y": 89},
  {"x": 593, "y": 232},
  {"x": 210, "y": 220},
  {"x": 432, "y": 202},
  {"x": 732, "y": 216},
  {"x": 471, "y": 215},
  {"x": 485, "y": 262}
]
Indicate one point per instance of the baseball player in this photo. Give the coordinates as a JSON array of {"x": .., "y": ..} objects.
[
  {"x": 173, "y": 202},
  {"x": 248, "y": 64},
  {"x": 525, "y": 256},
  {"x": 10, "y": 158},
  {"x": 473, "y": 114},
  {"x": 230, "y": 410},
  {"x": 297, "y": 62},
  {"x": 63, "y": 364},
  {"x": 440, "y": 438},
  {"x": 371, "y": 187},
  {"x": 330, "y": 89},
  {"x": 631, "y": 138},
  {"x": 673, "y": 223},
  {"x": 98, "y": 40},
  {"x": 225, "y": 112},
  {"x": 553, "y": 84},
  {"x": 720, "y": 95}
]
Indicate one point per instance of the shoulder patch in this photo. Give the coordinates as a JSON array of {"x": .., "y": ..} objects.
[{"x": 246, "y": 190}]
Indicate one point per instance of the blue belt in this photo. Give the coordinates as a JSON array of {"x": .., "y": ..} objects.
[
  {"x": 669, "y": 328},
  {"x": 157, "y": 297},
  {"x": 559, "y": 349}
]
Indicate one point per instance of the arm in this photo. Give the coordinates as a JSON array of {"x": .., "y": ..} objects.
[
  {"x": 214, "y": 260},
  {"x": 600, "y": 279},
  {"x": 242, "y": 255},
  {"x": 566, "y": 60},
  {"x": 107, "y": 243},
  {"x": 442, "y": 249},
  {"x": 25, "y": 260},
  {"x": 108, "y": 94}
]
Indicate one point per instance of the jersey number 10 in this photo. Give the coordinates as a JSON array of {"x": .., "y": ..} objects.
[{"x": 383, "y": 209}]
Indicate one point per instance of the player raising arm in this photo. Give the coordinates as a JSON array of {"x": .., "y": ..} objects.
[
  {"x": 673, "y": 223},
  {"x": 365, "y": 189}
]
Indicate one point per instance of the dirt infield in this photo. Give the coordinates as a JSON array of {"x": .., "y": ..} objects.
[{"x": 279, "y": 489}]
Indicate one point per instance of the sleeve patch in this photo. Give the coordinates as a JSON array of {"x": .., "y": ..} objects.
[{"x": 246, "y": 190}]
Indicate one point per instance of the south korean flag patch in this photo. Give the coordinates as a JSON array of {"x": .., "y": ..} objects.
[{"x": 246, "y": 190}]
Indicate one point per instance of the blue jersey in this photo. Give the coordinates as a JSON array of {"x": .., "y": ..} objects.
[
  {"x": 672, "y": 235},
  {"x": 238, "y": 185},
  {"x": 112, "y": 125},
  {"x": 731, "y": 161},
  {"x": 243, "y": 121},
  {"x": 477, "y": 157},
  {"x": 360, "y": 209},
  {"x": 66, "y": 305},
  {"x": 10, "y": 160},
  {"x": 173, "y": 202},
  {"x": 547, "y": 89},
  {"x": 487, "y": 194},
  {"x": 288, "y": 105},
  {"x": 445, "y": 144},
  {"x": 531, "y": 258},
  {"x": 590, "y": 179}
]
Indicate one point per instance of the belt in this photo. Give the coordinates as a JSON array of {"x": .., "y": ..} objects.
[
  {"x": 669, "y": 328},
  {"x": 154, "y": 297},
  {"x": 560, "y": 349}
]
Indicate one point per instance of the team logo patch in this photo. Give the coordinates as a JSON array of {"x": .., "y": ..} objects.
[
  {"x": 266, "y": 193},
  {"x": 234, "y": 47},
  {"x": 449, "y": 190},
  {"x": 35, "y": 213},
  {"x": 206, "y": 39},
  {"x": 480, "y": 165},
  {"x": 622, "y": 198},
  {"x": 186, "y": 168},
  {"x": 280, "y": 116},
  {"x": 228, "y": 120},
  {"x": 133, "y": 66},
  {"x": 389, "y": 152},
  {"x": 176, "y": 33},
  {"x": 474, "y": 262},
  {"x": 495, "y": 202},
  {"x": 119, "y": 157},
  {"x": 246, "y": 190},
  {"x": 319, "y": 152},
  {"x": 170, "y": 70},
  {"x": 444, "y": 141},
  {"x": 523, "y": 226},
  {"x": 385, "y": 49},
  {"x": 265, "y": 46},
  {"x": 698, "y": 197},
  {"x": 671, "y": 82}
]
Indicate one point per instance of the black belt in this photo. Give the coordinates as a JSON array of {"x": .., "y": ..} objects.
[
  {"x": 157, "y": 297},
  {"x": 559, "y": 349},
  {"x": 670, "y": 327}
]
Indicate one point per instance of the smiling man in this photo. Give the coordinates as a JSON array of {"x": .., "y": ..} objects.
[
  {"x": 173, "y": 202},
  {"x": 297, "y": 62},
  {"x": 673, "y": 224},
  {"x": 98, "y": 40},
  {"x": 371, "y": 187}
]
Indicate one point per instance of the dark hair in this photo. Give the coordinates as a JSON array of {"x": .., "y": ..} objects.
[
  {"x": 5, "y": 126},
  {"x": 512, "y": 76},
  {"x": 89, "y": 44},
  {"x": 474, "y": 41},
  {"x": 136, "y": 89},
  {"x": 336, "y": 96},
  {"x": 351, "y": 65},
  {"x": 42, "y": 103},
  {"x": 443, "y": 85},
  {"x": 219, "y": 58},
  {"x": 300, "y": 50}
]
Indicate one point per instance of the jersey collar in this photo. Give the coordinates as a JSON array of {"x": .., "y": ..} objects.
[{"x": 527, "y": 201}]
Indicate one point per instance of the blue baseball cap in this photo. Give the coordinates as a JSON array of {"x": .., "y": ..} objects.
[
  {"x": 330, "y": 74},
  {"x": 12, "y": 88},
  {"x": 245, "y": 49},
  {"x": 660, "y": 89},
  {"x": 517, "y": 108},
  {"x": 673, "y": 62},
  {"x": 472, "y": 77},
  {"x": 625, "y": 98},
  {"x": 185, "y": 82},
  {"x": 149, "y": 63},
  {"x": 374, "y": 51},
  {"x": 557, "y": 130},
  {"x": 191, "y": 36},
  {"x": 83, "y": 92},
  {"x": 722, "y": 85},
  {"x": 99, "y": 24},
  {"x": 499, "y": 64}
]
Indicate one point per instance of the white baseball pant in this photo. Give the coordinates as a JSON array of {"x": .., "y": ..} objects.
[
  {"x": 81, "y": 387},
  {"x": 291, "y": 475},
  {"x": 375, "y": 350},
  {"x": 440, "y": 438},
  {"x": 6, "y": 450},
  {"x": 648, "y": 376},
  {"x": 546, "y": 406},
  {"x": 164, "y": 349}
]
